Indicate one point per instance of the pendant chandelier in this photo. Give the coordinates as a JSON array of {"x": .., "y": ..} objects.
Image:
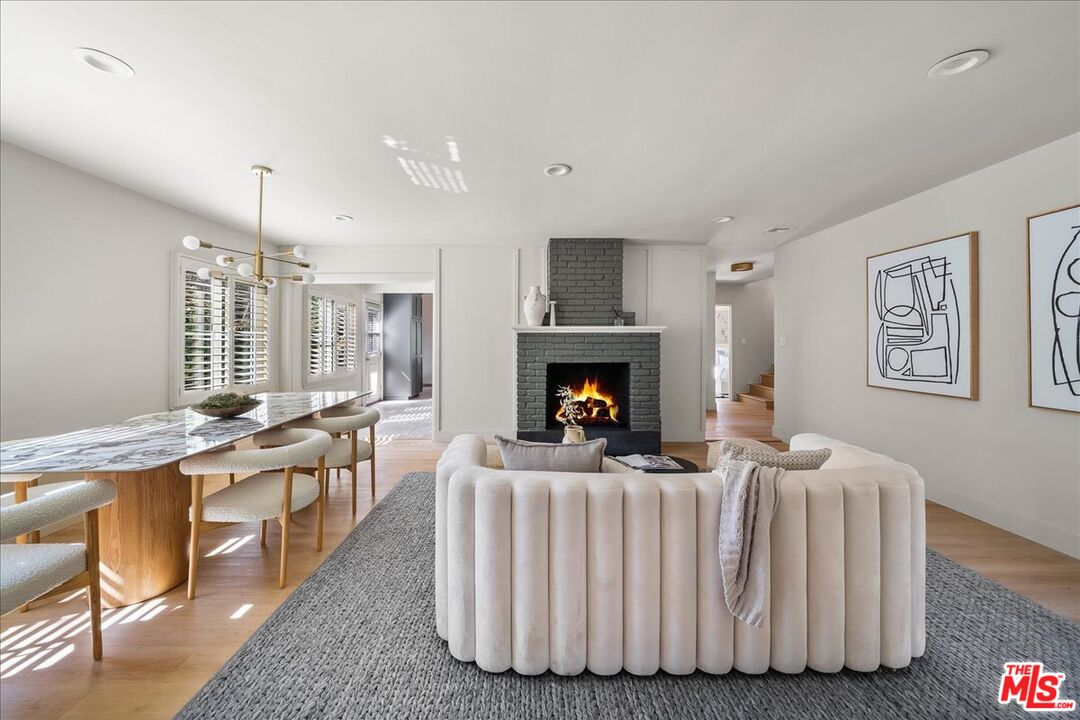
[{"x": 254, "y": 263}]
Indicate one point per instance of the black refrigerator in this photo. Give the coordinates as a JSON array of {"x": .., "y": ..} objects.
[{"x": 403, "y": 354}]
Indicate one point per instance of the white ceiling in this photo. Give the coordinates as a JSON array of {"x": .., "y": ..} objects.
[{"x": 801, "y": 114}]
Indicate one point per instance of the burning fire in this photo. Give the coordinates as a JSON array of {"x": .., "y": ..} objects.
[{"x": 598, "y": 406}]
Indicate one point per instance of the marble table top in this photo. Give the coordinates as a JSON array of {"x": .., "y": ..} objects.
[{"x": 150, "y": 441}]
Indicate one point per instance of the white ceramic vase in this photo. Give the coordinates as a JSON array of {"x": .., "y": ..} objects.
[{"x": 534, "y": 306}]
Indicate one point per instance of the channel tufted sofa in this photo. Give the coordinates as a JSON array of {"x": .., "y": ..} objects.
[{"x": 619, "y": 570}]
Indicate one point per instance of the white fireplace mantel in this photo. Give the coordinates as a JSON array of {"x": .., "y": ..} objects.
[{"x": 615, "y": 329}]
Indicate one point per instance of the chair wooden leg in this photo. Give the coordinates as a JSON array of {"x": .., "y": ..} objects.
[
  {"x": 371, "y": 440},
  {"x": 262, "y": 533},
  {"x": 322, "y": 503},
  {"x": 93, "y": 567},
  {"x": 352, "y": 469},
  {"x": 286, "y": 517},
  {"x": 196, "y": 521}
]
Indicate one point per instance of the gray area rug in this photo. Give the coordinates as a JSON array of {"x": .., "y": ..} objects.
[{"x": 357, "y": 640}]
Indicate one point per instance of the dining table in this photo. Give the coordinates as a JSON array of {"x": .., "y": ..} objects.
[{"x": 145, "y": 532}]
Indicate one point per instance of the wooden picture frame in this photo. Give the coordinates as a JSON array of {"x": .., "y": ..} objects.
[
  {"x": 1059, "y": 263},
  {"x": 922, "y": 318}
]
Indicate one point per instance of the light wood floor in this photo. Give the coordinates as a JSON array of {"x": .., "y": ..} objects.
[
  {"x": 731, "y": 419},
  {"x": 158, "y": 654}
]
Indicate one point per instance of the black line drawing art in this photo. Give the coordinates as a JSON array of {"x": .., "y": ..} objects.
[
  {"x": 1065, "y": 309},
  {"x": 918, "y": 336}
]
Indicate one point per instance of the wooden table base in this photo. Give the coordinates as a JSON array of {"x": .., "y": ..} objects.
[{"x": 144, "y": 534}]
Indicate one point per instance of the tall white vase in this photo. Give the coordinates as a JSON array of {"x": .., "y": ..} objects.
[{"x": 535, "y": 306}]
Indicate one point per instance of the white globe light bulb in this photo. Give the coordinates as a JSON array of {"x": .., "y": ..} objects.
[
  {"x": 203, "y": 273},
  {"x": 307, "y": 278},
  {"x": 223, "y": 260},
  {"x": 191, "y": 242},
  {"x": 271, "y": 282},
  {"x": 299, "y": 252},
  {"x": 245, "y": 269}
]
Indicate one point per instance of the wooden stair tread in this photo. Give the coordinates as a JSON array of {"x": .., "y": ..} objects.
[
  {"x": 766, "y": 391},
  {"x": 750, "y": 397},
  {"x": 768, "y": 379}
]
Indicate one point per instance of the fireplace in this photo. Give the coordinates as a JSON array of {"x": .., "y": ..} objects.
[{"x": 600, "y": 393}]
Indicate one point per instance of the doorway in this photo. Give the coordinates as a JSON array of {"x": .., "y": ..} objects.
[{"x": 722, "y": 355}]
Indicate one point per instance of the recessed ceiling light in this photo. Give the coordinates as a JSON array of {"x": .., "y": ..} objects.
[
  {"x": 742, "y": 266},
  {"x": 343, "y": 218},
  {"x": 104, "y": 62},
  {"x": 557, "y": 169},
  {"x": 956, "y": 64},
  {"x": 723, "y": 219},
  {"x": 779, "y": 229}
]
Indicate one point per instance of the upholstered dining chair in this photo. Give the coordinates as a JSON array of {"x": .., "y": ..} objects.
[
  {"x": 25, "y": 487},
  {"x": 348, "y": 449},
  {"x": 276, "y": 490},
  {"x": 33, "y": 571},
  {"x": 363, "y": 417}
]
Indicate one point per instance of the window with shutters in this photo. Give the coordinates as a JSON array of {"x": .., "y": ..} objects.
[
  {"x": 225, "y": 335},
  {"x": 373, "y": 344},
  {"x": 332, "y": 336}
]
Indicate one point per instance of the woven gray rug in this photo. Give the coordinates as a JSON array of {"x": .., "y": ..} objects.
[{"x": 357, "y": 640}]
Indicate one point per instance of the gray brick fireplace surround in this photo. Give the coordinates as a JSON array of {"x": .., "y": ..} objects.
[{"x": 585, "y": 277}]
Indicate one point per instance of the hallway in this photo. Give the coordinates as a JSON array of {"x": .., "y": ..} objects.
[{"x": 739, "y": 420}]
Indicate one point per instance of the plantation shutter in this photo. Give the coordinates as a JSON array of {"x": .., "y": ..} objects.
[
  {"x": 332, "y": 338},
  {"x": 350, "y": 339},
  {"x": 319, "y": 339},
  {"x": 206, "y": 338},
  {"x": 341, "y": 331},
  {"x": 251, "y": 333},
  {"x": 374, "y": 330}
]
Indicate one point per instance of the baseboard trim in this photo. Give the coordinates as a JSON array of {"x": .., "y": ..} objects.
[{"x": 1025, "y": 526}]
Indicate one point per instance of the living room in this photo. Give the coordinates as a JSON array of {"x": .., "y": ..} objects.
[{"x": 323, "y": 273}]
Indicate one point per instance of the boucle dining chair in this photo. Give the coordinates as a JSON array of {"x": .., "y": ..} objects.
[
  {"x": 33, "y": 571},
  {"x": 276, "y": 490},
  {"x": 349, "y": 450},
  {"x": 364, "y": 417}
]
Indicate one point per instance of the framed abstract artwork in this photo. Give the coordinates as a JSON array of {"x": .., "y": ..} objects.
[
  {"x": 922, "y": 318},
  {"x": 1054, "y": 310}
]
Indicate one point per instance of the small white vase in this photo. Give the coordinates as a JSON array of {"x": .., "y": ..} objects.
[{"x": 534, "y": 306}]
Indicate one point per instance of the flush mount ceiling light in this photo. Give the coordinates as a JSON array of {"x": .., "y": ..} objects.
[
  {"x": 254, "y": 269},
  {"x": 956, "y": 64},
  {"x": 779, "y": 229},
  {"x": 343, "y": 218},
  {"x": 104, "y": 62},
  {"x": 557, "y": 169},
  {"x": 723, "y": 219},
  {"x": 742, "y": 266}
]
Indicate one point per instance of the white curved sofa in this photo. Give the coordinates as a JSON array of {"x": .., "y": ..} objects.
[{"x": 619, "y": 570}]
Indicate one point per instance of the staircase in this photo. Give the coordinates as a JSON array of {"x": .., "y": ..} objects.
[{"x": 761, "y": 393}]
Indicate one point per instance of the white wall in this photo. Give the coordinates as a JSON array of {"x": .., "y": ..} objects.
[
  {"x": 751, "y": 330},
  {"x": 665, "y": 285},
  {"x": 476, "y": 370},
  {"x": 995, "y": 458},
  {"x": 84, "y": 296},
  {"x": 427, "y": 336}
]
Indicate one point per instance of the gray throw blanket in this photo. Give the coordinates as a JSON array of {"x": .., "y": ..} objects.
[{"x": 750, "y": 496}]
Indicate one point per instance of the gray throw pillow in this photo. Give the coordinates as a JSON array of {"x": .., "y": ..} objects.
[
  {"x": 770, "y": 457},
  {"x": 552, "y": 457}
]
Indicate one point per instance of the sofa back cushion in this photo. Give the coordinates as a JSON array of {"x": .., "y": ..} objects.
[
  {"x": 770, "y": 457},
  {"x": 844, "y": 455},
  {"x": 552, "y": 457}
]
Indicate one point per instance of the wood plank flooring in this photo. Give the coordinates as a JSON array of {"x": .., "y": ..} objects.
[{"x": 159, "y": 653}]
